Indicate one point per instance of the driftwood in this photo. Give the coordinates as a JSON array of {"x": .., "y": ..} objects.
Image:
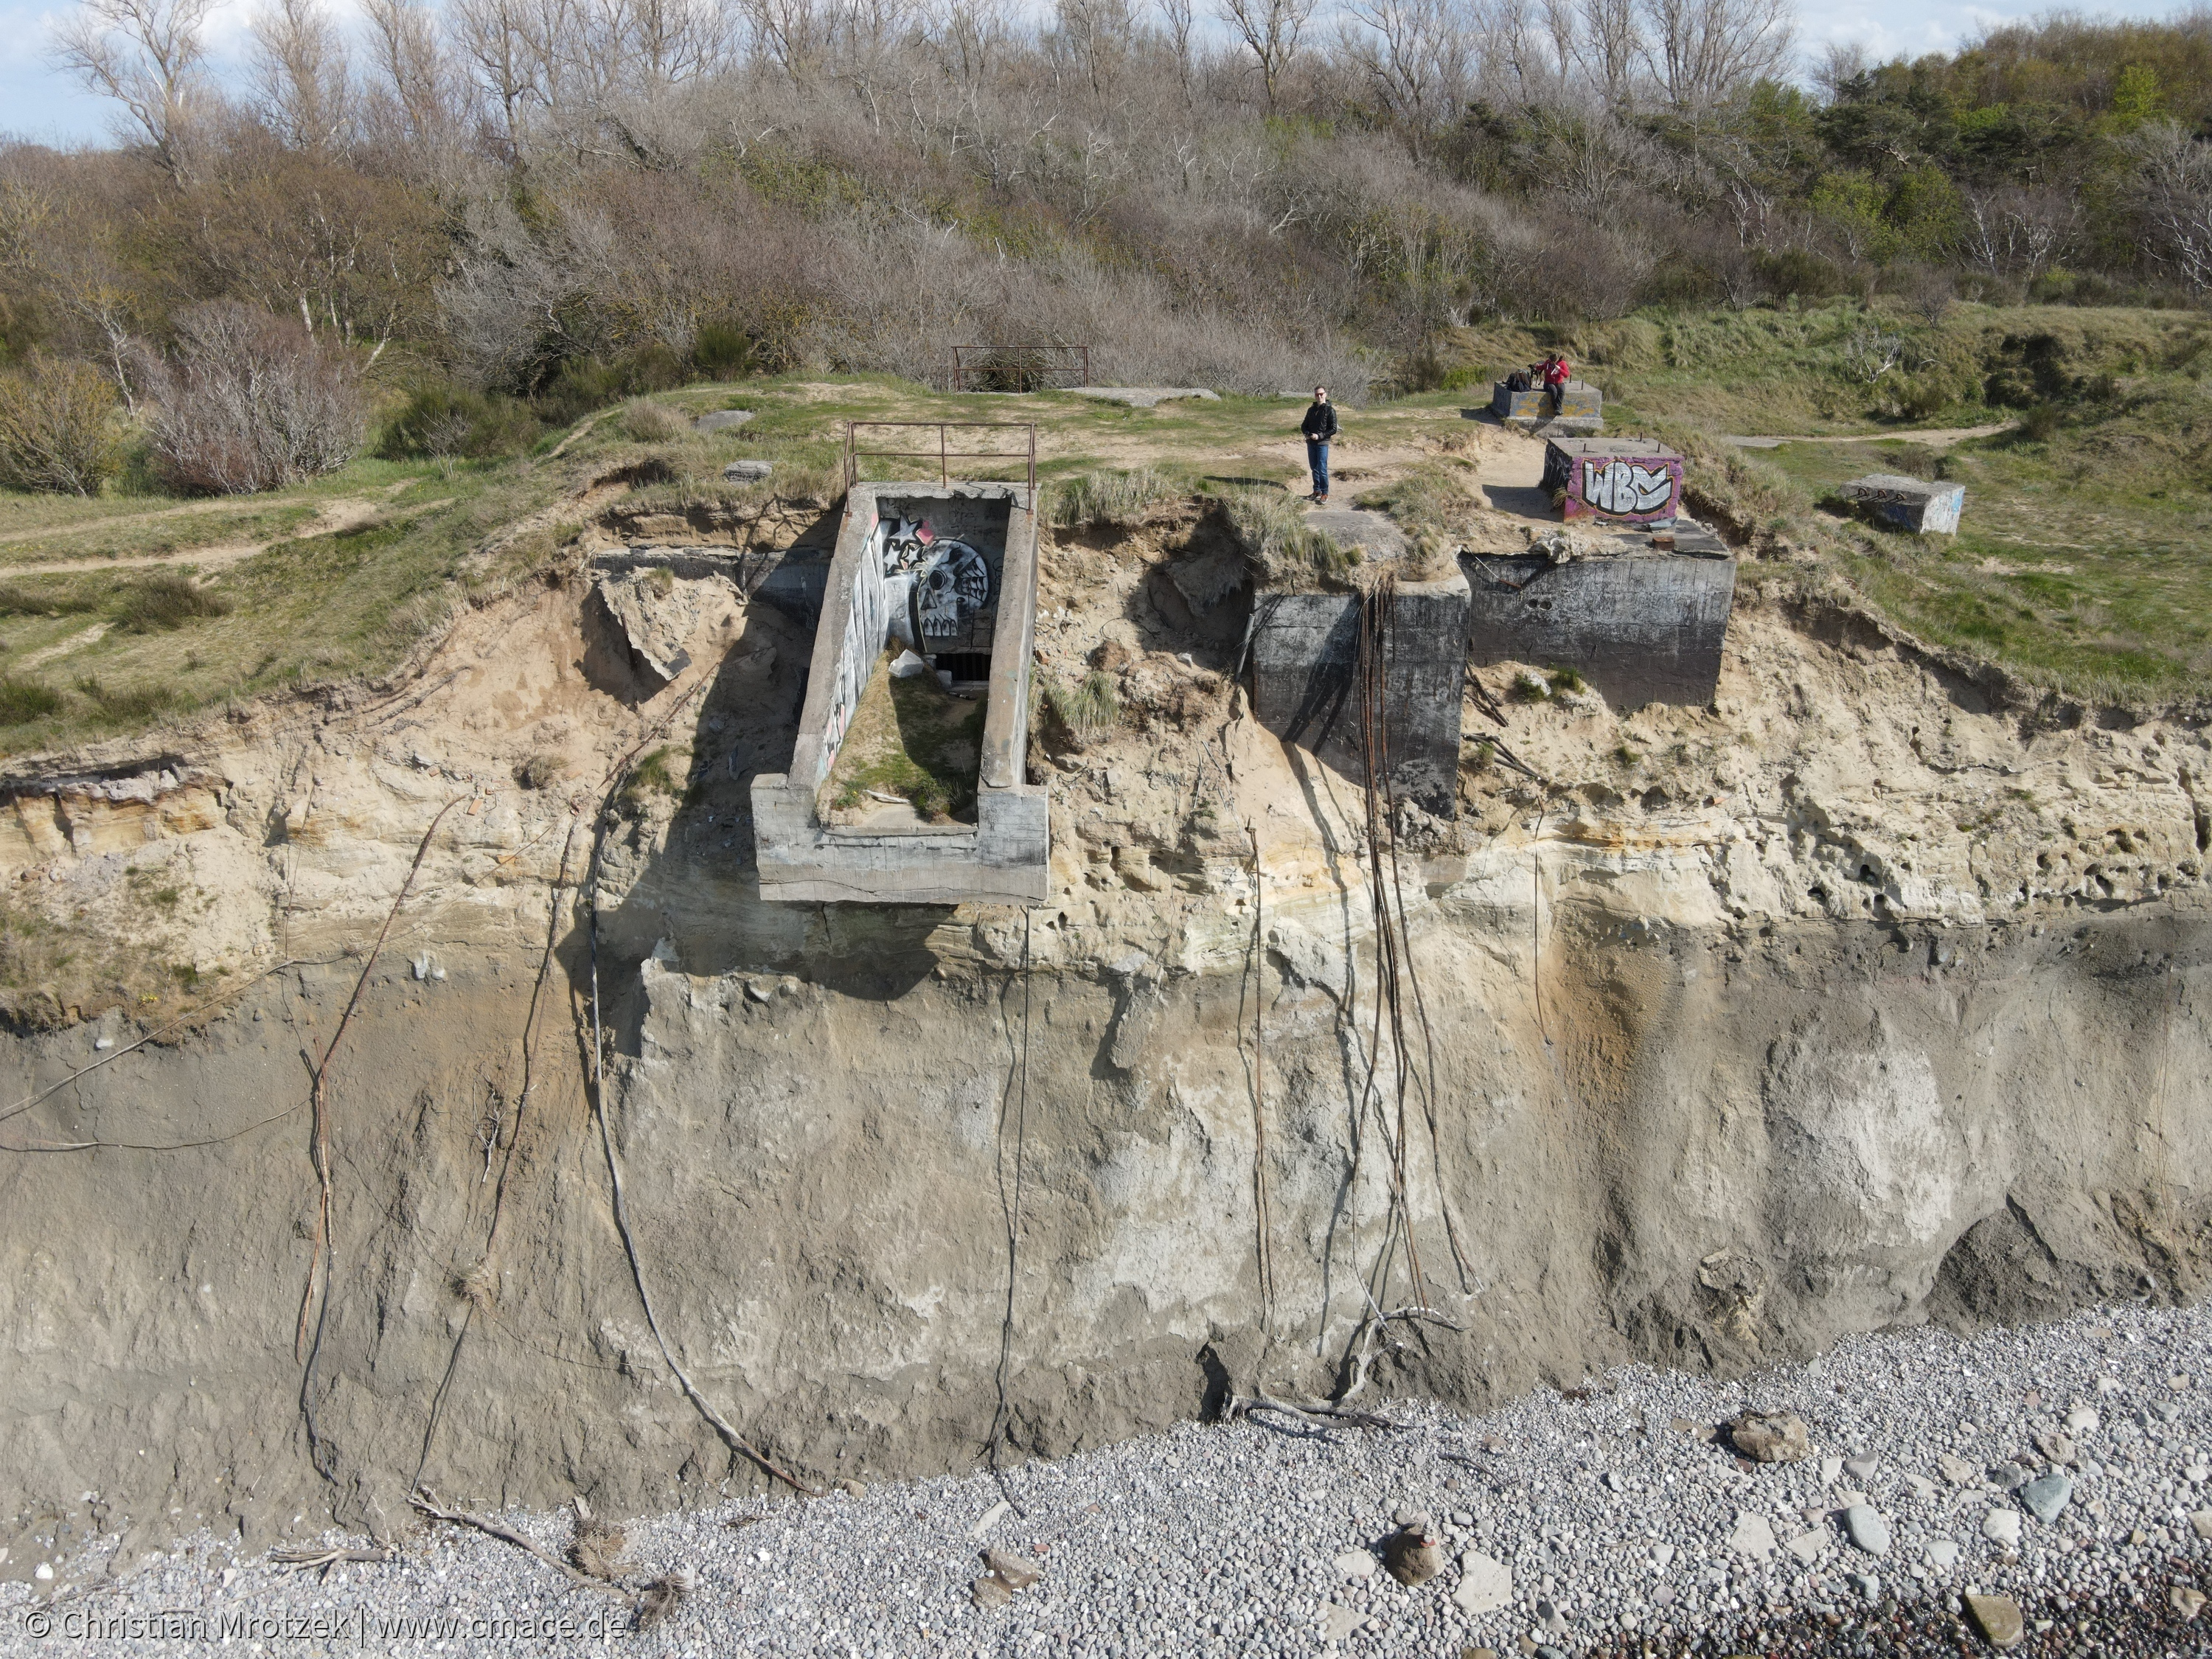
[{"x": 1320, "y": 1416}]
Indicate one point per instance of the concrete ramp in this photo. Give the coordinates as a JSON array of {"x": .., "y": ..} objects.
[{"x": 949, "y": 572}]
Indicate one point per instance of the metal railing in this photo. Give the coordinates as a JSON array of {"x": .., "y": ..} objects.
[
  {"x": 993, "y": 368},
  {"x": 943, "y": 455}
]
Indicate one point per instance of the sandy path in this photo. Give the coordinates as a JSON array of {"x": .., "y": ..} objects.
[
  {"x": 346, "y": 513},
  {"x": 1935, "y": 437}
]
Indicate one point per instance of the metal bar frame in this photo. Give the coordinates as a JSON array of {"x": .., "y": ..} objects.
[
  {"x": 945, "y": 454},
  {"x": 961, "y": 370}
]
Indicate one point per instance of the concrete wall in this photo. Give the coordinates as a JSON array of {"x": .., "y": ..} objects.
[
  {"x": 1002, "y": 858},
  {"x": 1305, "y": 652},
  {"x": 1639, "y": 629}
]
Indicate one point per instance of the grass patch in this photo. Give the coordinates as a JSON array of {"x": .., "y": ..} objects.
[
  {"x": 1089, "y": 708},
  {"x": 1284, "y": 550},
  {"x": 24, "y": 701},
  {"x": 132, "y": 705},
  {"x": 166, "y": 602},
  {"x": 1107, "y": 498},
  {"x": 910, "y": 739}
]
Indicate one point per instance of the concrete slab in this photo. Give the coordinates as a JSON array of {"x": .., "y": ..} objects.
[{"x": 1373, "y": 534}]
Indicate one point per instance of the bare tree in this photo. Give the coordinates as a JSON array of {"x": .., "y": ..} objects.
[
  {"x": 417, "y": 80},
  {"x": 1840, "y": 64},
  {"x": 1702, "y": 52},
  {"x": 1098, "y": 34},
  {"x": 1177, "y": 15},
  {"x": 496, "y": 43},
  {"x": 147, "y": 55},
  {"x": 1599, "y": 40},
  {"x": 793, "y": 35},
  {"x": 301, "y": 80},
  {"x": 1272, "y": 30},
  {"x": 2176, "y": 170},
  {"x": 1415, "y": 55},
  {"x": 2011, "y": 230}
]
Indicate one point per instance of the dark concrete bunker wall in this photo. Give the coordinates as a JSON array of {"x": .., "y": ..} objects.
[
  {"x": 1639, "y": 629},
  {"x": 1305, "y": 660}
]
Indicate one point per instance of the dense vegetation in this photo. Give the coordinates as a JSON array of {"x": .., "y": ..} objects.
[{"x": 562, "y": 202}]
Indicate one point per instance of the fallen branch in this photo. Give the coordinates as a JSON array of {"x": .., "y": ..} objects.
[
  {"x": 307, "y": 1560},
  {"x": 426, "y": 1501}
]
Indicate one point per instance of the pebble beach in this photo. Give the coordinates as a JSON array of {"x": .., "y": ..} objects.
[{"x": 2044, "y": 1490}]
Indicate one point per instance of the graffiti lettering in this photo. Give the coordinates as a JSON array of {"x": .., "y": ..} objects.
[{"x": 1618, "y": 486}]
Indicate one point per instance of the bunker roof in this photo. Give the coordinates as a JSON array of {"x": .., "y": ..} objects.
[{"x": 1637, "y": 447}]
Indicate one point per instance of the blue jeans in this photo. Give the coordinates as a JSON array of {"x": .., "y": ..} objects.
[{"x": 1317, "y": 459}]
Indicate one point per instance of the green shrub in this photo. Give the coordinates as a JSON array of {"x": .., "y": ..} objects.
[
  {"x": 24, "y": 701},
  {"x": 57, "y": 428},
  {"x": 443, "y": 421},
  {"x": 584, "y": 383},
  {"x": 723, "y": 351},
  {"x": 166, "y": 602},
  {"x": 2039, "y": 425},
  {"x": 1798, "y": 271}
]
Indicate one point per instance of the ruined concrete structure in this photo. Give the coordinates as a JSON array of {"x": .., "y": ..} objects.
[
  {"x": 1629, "y": 480},
  {"x": 1914, "y": 504},
  {"x": 1641, "y": 625},
  {"x": 1582, "y": 407},
  {"x": 950, "y": 571},
  {"x": 1306, "y": 687}
]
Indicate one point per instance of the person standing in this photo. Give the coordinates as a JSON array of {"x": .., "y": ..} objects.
[{"x": 1319, "y": 427}]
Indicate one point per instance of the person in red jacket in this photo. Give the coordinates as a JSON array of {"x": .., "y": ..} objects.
[{"x": 1556, "y": 376}]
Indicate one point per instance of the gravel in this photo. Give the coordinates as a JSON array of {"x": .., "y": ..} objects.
[{"x": 1251, "y": 1540}]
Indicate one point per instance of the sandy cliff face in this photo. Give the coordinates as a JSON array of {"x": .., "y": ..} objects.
[{"x": 1851, "y": 1001}]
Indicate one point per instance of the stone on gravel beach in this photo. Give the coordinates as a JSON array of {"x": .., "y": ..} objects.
[
  {"x": 1485, "y": 1584},
  {"x": 2046, "y": 1495},
  {"x": 2002, "y": 1526},
  {"x": 1770, "y": 1437},
  {"x": 1752, "y": 1536},
  {"x": 1998, "y": 1618},
  {"x": 2200, "y": 1523},
  {"x": 1866, "y": 1527},
  {"x": 1956, "y": 1469}
]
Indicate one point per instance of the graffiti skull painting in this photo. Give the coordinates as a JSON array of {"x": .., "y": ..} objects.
[{"x": 936, "y": 584}]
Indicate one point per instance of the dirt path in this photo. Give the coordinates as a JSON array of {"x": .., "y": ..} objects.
[
  {"x": 346, "y": 513},
  {"x": 1934, "y": 437}
]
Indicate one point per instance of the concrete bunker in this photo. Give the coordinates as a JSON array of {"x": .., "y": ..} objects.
[
  {"x": 1914, "y": 504},
  {"x": 927, "y": 628},
  {"x": 1310, "y": 657},
  {"x": 1642, "y": 618}
]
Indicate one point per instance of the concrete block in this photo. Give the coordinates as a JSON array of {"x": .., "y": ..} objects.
[
  {"x": 1626, "y": 480},
  {"x": 1639, "y": 629},
  {"x": 1914, "y": 504},
  {"x": 1579, "y": 401},
  {"x": 1305, "y": 653}
]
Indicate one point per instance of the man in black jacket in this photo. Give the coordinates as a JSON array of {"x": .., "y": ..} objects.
[{"x": 1319, "y": 427}]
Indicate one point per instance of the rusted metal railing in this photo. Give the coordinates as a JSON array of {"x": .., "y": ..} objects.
[
  {"x": 944, "y": 454},
  {"x": 990, "y": 367}
]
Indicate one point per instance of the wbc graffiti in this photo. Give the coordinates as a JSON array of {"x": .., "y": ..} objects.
[
  {"x": 1625, "y": 478},
  {"x": 1627, "y": 488}
]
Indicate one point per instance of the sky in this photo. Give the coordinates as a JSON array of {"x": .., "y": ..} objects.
[{"x": 39, "y": 102}]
